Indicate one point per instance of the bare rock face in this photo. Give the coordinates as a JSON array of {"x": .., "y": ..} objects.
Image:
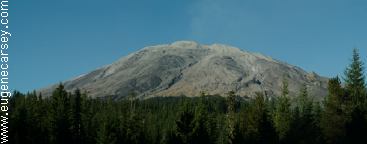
[{"x": 187, "y": 68}]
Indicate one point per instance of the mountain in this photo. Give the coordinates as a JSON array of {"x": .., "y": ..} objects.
[{"x": 187, "y": 68}]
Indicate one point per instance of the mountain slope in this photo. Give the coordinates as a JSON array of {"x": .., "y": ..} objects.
[{"x": 186, "y": 68}]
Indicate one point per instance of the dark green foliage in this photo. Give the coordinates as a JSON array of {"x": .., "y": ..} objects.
[
  {"x": 305, "y": 127},
  {"x": 231, "y": 123},
  {"x": 334, "y": 116},
  {"x": 19, "y": 119},
  {"x": 282, "y": 116},
  {"x": 355, "y": 80},
  {"x": 203, "y": 131},
  {"x": 60, "y": 112},
  {"x": 185, "y": 126},
  {"x": 355, "y": 87},
  {"x": 73, "y": 118},
  {"x": 344, "y": 118},
  {"x": 77, "y": 124},
  {"x": 256, "y": 123},
  {"x": 195, "y": 126},
  {"x": 356, "y": 128},
  {"x": 182, "y": 120}
]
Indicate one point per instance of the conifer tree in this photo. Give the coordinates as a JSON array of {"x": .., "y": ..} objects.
[
  {"x": 37, "y": 118},
  {"x": 282, "y": 116},
  {"x": 303, "y": 128},
  {"x": 103, "y": 134},
  {"x": 18, "y": 126},
  {"x": 202, "y": 131},
  {"x": 305, "y": 102},
  {"x": 77, "y": 125},
  {"x": 231, "y": 102},
  {"x": 185, "y": 125},
  {"x": 60, "y": 116},
  {"x": 107, "y": 122},
  {"x": 285, "y": 90},
  {"x": 334, "y": 116},
  {"x": 355, "y": 80},
  {"x": 257, "y": 124},
  {"x": 134, "y": 129},
  {"x": 356, "y": 90}
]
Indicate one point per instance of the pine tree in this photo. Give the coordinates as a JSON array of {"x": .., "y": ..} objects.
[
  {"x": 334, "y": 116},
  {"x": 60, "y": 116},
  {"x": 282, "y": 116},
  {"x": 257, "y": 125},
  {"x": 134, "y": 129},
  {"x": 356, "y": 127},
  {"x": 355, "y": 86},
  {"x": 355, "y": 80},
  {"x": 107, "y": 121},
  {"x": 303, "y": 129},
  {"x": 18, "y": 126},
  {"x": 184, "y": 126},
  {"x": 104, "y": 135},
  {"x": 305, "y": 102},
  {"x": 231, "y": 110},
  {"x": 37, "y": 119},
  {"x": 285, "y": 90},
  {"x": 202, "y": 130},
  {"x": 317, "y": 114},
  {"x": 77, "y": 125}
]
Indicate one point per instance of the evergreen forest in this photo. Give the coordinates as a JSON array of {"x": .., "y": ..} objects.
[{"x": 74, "y": 118}]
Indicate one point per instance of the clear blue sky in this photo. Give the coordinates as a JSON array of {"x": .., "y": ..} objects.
[{"x": 55, "y": 40}]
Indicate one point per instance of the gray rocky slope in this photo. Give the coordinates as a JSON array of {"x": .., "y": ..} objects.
[{"x": 187, "y": 68}]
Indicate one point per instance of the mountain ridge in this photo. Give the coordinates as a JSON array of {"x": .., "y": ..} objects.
[{"x": 187, "y": 68}]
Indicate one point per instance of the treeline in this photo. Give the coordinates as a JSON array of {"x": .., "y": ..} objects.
[{"x": 74, "y": 118}]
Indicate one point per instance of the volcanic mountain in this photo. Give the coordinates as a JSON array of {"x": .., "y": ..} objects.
[{"x": 187, "y": 68}]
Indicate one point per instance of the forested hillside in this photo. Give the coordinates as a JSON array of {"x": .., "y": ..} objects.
[{"x": 75, "y": 118}]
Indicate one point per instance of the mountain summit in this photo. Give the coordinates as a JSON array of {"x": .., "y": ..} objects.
[{"x": 187, "y": 68}]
